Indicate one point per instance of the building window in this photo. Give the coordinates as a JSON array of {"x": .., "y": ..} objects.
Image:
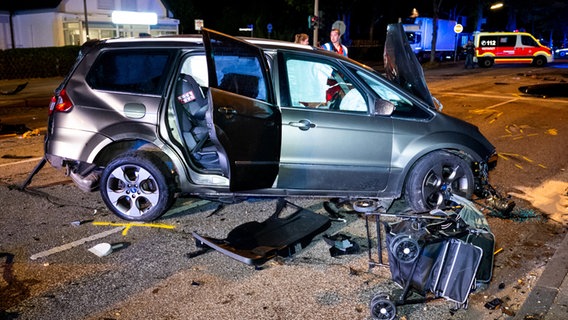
[
  {"x": 72, "y": 33},
  {"x": 128, "y": 5},
  {"x": 105, "y": 4}
]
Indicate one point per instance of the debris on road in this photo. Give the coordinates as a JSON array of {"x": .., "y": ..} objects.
[
  {"x": 18, "y": 88},
  {"x": 254, "y": 243},
  {"x": 341, "y": 244},
  {"x": 73, "y": 244},
  {"x": 101, "y": 249}
]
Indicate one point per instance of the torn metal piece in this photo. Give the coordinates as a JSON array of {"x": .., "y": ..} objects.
[{"x": 255, "y": 242}]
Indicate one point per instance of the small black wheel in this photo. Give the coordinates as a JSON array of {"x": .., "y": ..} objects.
[
  {"x": 382, "y": 307},
  {"x": 404, "y": 248},
  {"x": 137, "y": 187},
  {"x": 365, "y": 205},
  {"x": 435, "y": 177}
]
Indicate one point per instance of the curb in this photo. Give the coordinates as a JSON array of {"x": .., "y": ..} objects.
[{"x": 551, "y": 288}]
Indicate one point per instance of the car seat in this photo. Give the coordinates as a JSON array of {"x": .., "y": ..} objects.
[{"x": 192, "y": 106}]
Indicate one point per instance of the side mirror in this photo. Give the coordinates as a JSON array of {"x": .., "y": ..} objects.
[{"x": 383, "y": 108}]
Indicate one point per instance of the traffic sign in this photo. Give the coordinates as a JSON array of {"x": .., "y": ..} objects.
[
  {"x": 458, "y": 28},
  {"x": 198, "y": 24}
]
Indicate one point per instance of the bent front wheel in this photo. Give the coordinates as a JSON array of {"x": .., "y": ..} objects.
[{"x": 435, "y": 177}]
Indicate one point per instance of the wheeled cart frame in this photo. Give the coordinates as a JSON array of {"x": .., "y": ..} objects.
[{"x": 426, "y": 256}]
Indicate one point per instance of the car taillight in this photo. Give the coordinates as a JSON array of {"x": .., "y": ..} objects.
[{"x": 60, "y": 103}]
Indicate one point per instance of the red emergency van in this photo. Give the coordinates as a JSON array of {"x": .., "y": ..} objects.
[{"x": 510, "y": 47}]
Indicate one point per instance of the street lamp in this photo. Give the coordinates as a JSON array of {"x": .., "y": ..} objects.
[{"x": 497, "y": 5}]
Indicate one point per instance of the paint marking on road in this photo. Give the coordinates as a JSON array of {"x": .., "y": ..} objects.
[
  {"x": 502, "y": 103},
  {"x": 20, "y": 162},
  {"x": 129, "y": 225},
  {"x": 73, "y": 244},
  {"x": 478, "y": 95},
  {"x": 528, "y": 159}
]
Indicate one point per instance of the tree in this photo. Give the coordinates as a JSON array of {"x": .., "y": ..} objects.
[{"x": 436, "y": 4}]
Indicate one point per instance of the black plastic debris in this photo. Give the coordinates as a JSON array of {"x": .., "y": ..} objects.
[
  {"x": 494, "y": 304},
  {"x": 13, "y": 128},
  {"x": 255, "y": 242},
  {"x": 19, "y": 88},
  {"x": 546, "y": 90},
  {"x": 341, "y": 244}
]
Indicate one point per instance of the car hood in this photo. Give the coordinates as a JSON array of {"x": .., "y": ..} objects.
[{"x": 402, "y": 66}]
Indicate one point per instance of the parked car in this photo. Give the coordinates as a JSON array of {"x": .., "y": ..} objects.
[
  {"x": 212, "y": 116},
  {"x": 561, "y": 52}
]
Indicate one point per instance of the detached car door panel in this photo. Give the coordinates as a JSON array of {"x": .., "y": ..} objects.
[{"x": 243, "y": 121}]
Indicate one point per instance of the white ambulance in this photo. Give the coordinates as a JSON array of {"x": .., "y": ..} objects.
[{"x": 510, "y": 47}]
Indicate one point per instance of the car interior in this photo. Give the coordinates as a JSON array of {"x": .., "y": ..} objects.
[{"x": 191, "y": 105}]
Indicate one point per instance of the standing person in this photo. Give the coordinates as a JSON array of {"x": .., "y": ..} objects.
[
  {"x": 335, "y": 45},
  {"x": 469, "y": 49},
  {"x": 302, "y": 38}
]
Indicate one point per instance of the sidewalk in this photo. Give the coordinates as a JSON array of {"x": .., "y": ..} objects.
[
  {"x": 37, "y": 92},
  {"x": 549, "y": 298}
]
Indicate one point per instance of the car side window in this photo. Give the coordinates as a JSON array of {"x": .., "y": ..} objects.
[
  {"x": 319, "y": 84},
  {"x": 528, "y": 41},
  {"x": 402, "y": 106},
  {"x": 140, "y": 71},
  {"x": 240, "y": 74}
]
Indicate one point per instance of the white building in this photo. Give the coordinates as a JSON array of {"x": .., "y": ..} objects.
[{"x": 72, "y": 22}]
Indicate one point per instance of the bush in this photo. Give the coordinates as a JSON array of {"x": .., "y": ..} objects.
[{"x": 24, "y": 63}]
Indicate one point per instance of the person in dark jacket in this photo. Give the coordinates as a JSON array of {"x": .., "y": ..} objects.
[{"x": 469, "y": 50}]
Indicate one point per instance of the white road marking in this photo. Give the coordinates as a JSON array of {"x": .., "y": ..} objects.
[
  {"x": 73, "y": 244},
  {"x": 20, "y": 162},
  {"x": 478, "y": 95}
]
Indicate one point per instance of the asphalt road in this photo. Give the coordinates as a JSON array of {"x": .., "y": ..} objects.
[{"x": 154, "y": 272}]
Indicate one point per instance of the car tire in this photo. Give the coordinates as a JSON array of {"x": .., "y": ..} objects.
[
  {"x": 485, "y": 62},
  {"x": 434, "y": 177},
  {"x": 137, "y": 187},
  {"x": 539, "y": 61}
]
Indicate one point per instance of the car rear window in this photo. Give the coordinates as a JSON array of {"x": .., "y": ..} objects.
[{"x": 140, "y": 71}]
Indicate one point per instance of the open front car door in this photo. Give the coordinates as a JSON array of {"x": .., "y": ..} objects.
[{"x": 243, "y": 121}]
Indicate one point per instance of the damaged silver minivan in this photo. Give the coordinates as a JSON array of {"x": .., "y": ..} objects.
[{"x": 213, "y": 116}]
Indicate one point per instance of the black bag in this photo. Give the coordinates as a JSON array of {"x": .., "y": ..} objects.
[
  {"x": 453, "y": 274},
  {"x": 486, "y": 241}
]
